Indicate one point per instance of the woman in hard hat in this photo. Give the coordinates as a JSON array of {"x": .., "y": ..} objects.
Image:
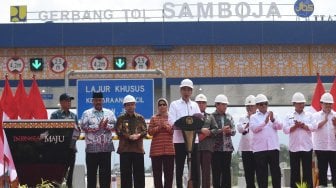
[
  {"x": 223, "y": 148},
  {"x": 265, "y": 143},
  {"x": 299, "y": 124},
  {"x": 131, "y": 128},
  {"x": 162, "y": 150},
  {"x": 324, "y": 140},
  {"x": 245, "y": 144}
]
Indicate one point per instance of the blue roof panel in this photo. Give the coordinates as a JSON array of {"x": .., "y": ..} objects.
[
  {"x": 36, "y": 35},
  {"x": 166, "y": 33},
  {"x": 83, "y": 34}
]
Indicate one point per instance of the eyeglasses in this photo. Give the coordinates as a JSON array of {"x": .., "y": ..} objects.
[
  {"x": 262, "y": 104},
  {"x": 163, "y": 104}
]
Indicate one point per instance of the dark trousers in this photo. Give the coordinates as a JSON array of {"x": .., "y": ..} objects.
[
  {"x": 163, "y": 163},
  {"x": 101, "y": 161},
  {"x": 263, "y": 159},
  {"x": 205, "y": 159},
  {"x": 249, "y": 168},
  {"x": 323, "y": 159},
  {"x": 296, "y": 158},
  {"x": 132, "y": 167},
  {"x": 180, "y": 156},
  {"x": 221, "y": 169},
  {"x": 70, "y": 164}
]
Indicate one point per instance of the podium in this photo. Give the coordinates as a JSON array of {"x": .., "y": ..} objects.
[
  {"x": 39, "y": 148},
  {"x": 189, "y": 125}
]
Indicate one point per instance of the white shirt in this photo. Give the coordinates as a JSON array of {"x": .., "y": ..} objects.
[
  {"x": 245, "y": 143},
  {"x": 300, "y": 139},
  {"x": 265, "y": 136},
  {"x": 324, "y": 138},
  {"x": 177, "y": 109}
]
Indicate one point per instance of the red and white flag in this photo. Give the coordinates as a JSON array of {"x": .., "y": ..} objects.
[
  {"x": 319, "y": 91},
  {"x": 2, "y": 147},
  {"x": 22, "y": 102},
  {"x": 6, "y": 160},
  {"x": 333, "y": 93},
  {"x": 7, "y": 111},
  {"x": 38, "y": 108}
]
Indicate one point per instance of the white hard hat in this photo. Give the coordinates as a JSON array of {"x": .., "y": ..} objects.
[
  {"x": 128, "y": 99},
  {"x": 250, "y": 100},
  {"x": 221, "y": 99},
  {"x": 327, "y": 98},
  {"x": 298, "y": 97},
  {"x": 201, "y": 97},
  {"x": 261, "y": 98},
  {"x": 187, "y": 83}
]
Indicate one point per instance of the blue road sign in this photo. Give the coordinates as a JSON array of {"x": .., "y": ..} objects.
[
  {"x": 47, "y": 96},
  {"x": 114, "y": 92}
]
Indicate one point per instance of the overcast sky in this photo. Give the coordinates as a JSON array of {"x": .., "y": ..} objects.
[{"x": 324, "y": 7}]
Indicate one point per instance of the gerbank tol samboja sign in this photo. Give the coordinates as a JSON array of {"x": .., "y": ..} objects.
[
  {"x": 171, "y": 11},
  {"x": 219, "y": 11}
]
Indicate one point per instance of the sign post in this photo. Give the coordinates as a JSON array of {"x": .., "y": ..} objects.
[
  {"x": 114, "y": 92},
  {"x": 90, "y": 72},
  {"x": 15, "y": 65}
]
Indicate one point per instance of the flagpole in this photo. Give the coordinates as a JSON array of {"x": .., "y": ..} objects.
[
  {"x": 4, "y": 164},
  {"x": 4, "y": 155},
  {"x": 5, "y": 177}
]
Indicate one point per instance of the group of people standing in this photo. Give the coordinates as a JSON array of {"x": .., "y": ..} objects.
[
  {"x": 212, "y": 151},
  {"x": 98, "y": 123},
  {"x": 260, "y": 147},
  {"x": 307, "y": 131}
]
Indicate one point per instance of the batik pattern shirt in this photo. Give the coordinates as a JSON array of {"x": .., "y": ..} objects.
[
  {"x": 126, "y": 126},
  {"x": 98, "y": 139},
  {"x": 224, "y": 142}
]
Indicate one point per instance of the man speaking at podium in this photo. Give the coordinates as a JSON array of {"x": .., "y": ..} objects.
[{"x": 180, "y": 108}]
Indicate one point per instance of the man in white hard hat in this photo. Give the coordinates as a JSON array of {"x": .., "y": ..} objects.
[
  {"x": 131, "y": 128},
  {"x": 299, "y": 124},
  {"x": 98, "y": 124},
  {"x": 265, "y": 143},
  {"x": 324, "y": 139},
  {"x": 207, "y": 141},
  {"x": 245, "y": 144},
  {"x": 178, "y": 109},
  {"x": 222, "y": 155}
]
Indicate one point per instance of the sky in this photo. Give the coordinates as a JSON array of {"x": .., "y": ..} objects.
[{"x": 321, "y": 7}]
